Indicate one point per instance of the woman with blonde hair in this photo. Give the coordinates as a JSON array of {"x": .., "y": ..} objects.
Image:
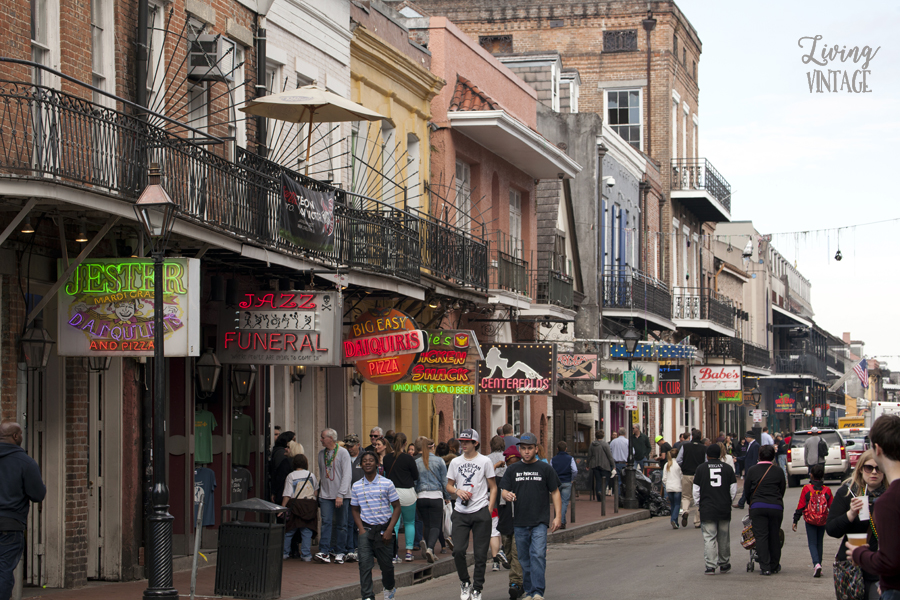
[
  {"x": 848, "y": 509},
  {"x": 726, "y": 458},
  {"x": 671, "y": 478},
  {"x": 431, "y": 494}
]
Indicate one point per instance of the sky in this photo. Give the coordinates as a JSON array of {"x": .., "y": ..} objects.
[{"x": 800, "y": 161}]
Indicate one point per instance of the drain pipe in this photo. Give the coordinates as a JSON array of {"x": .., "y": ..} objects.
[
  {"x": 143, "y": 57},
  {"x": 261, "y": 133}
]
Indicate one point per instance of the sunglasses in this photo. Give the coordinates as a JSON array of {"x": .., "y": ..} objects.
[
  {"x": 870, "y": 468},
  {"x": 373, "y": 435}
]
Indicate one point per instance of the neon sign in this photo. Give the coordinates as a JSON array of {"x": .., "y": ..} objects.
[{"x": 384, "y": 343}]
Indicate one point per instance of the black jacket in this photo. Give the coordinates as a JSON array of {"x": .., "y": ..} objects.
[
  {"x": 770, "y": 482},
  {"x": 641, "y": 446},
  {"x": 693, "y": 455},
  {"x": 838, "y": 525},
  {"x": 752, "y": 455},
  {"x": 401, "y": 469},
  {"x": 20, "y": 484}
]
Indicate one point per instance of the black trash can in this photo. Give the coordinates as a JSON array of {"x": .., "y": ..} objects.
[{"x": 249, "y": 560}]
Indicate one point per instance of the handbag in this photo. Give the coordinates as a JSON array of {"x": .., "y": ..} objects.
[
  {"x": 448, "y": 519},
  {"x": 848, "y": 581},
  {"x": 748, "y": 540},
  {"x": 303, "y": 509}
]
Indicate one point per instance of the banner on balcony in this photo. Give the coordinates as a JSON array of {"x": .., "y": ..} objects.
[
  {"x": 577, "y": 366},
  {"x": 385, "y": 344},
  {"x": 300, "y": 327},
  {"x": 448, "y": 366},
  {"x": 106, "y": 308},
  {"x": 307, "y": 215},
  {"x": 518, "y": 369},
  {"x": 612, "y": 375},
  {"x": 784, "y": 404},
  {"x": 671, "y": 383},
  {"x": 712, "y": 378}
]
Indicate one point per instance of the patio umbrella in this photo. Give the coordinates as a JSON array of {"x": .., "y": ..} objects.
[{"x": 309, "y": 104}]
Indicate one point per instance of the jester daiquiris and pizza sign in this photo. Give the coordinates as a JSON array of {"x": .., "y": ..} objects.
[{"x": 384, "y": 343}]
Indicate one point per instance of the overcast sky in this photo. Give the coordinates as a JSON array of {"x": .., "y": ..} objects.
[{"x": 800, "y": 161}]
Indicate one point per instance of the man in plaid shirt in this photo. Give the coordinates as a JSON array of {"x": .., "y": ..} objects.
[{"x": 376, "y": 508}]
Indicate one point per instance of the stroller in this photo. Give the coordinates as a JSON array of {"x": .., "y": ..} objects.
[{"x": 749, "y": 542}]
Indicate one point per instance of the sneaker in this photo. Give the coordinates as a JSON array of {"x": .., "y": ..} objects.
[
  {"x": 339, "y": 559},
  {"x": 537, "y": 597},
  {"x": 321, "y": 557},
  {"x": 429, "y": 555},
  {"x": 503, "y": 559},
  {"x": 527, "y": 598},
  {"x": 684, "y": 518},
  {"x": 725, "y": 568},
  {"x": 674, "y": 524},
  {"x": 465, "y": 590},
  {"x": 449, "y": 543},
  {"x": 515, "y": 591},
  {"x": 710, "y": 571},
  {"x": 777, "y": 569},
  {"x": 496, "y": 566},
  {"x": 817, "y": 571},
  {"x": 476, "y": 595},
  {"x": 397, "y": 560},
  {"x": 389, "y": 594},
  {"x": 422, "y": 548},
  {"x": 409, "y": 557},
  {"x": 308, "y": 559},
  {"x": 351, "y": 557}
]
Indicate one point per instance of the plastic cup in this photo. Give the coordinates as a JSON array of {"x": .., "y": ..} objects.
[
  {"x": 856, "y": 539},
  {"x": 864, "y": 511}
]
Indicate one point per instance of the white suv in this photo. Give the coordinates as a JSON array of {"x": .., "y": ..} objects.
[{"x": 836, "y": 463}]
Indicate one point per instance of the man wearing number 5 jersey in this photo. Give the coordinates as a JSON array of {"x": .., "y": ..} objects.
[{"x": 715, "y": 487}]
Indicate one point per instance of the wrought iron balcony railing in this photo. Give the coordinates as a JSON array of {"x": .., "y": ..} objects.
[
  {"x": 723, "y": 347},
  {"x": 508, "y": 273},
  {"x": 799, "y": 362},
  {"x": 553, "y": 287},
  {"x": 49, "y": 135},
  {"x": 756, "y": 355},
  {"x": 699, "y": 174},
  {"x": 835, "y": 361},
  {"x": 691, "y": 304},
  {"x": 628, "y": 289}
]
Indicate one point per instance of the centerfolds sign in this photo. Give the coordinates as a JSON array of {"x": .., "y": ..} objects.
[
  {"x": 518, "y": 369},
  {"x": 784, "y": 404},
  {"x": 307, "y": 215},
  {"x": 106, "y": 308},
  {"x": 282, "y": 328},
  {"x": 448, "y": 366},
  {"x": 577, "y": 366},
  {"x": 713, "y": 378},
  {"x": 612, "y": 376},
  {"x": 385, "y": 344}
]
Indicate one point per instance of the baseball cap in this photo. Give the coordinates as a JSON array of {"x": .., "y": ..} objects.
[
  {"x": 511, "y": 451},
  {"x": 469, "y": 435},
  {"x": 814, "y": 429},
  {"x": 528, "y": 439},
  {"x": 659, "y": 437},
  {"x": 351, "y": 439}
]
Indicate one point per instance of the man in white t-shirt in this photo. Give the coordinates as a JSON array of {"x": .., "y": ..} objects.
[{"x": 471, "y": 478}]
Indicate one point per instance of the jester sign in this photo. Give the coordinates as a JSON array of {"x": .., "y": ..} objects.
[{"x": 106, "y": 308}]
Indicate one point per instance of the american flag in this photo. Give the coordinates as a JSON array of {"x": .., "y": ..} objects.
[{"x": 862, "y": 371}]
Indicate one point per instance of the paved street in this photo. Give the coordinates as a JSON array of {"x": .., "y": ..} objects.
[{"x": 648, "y": 559}]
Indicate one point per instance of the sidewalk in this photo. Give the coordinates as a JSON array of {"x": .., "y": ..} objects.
[{"x": 313, "y": 581}]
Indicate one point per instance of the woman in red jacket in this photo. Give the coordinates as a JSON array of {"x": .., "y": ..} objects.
[{"x": 815, "y": 501}]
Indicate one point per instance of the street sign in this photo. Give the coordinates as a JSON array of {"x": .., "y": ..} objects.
[
  {"x": 631, "y": 399},
  {"x": 764, "y": 413},
  {"x": 629, "y": 380},
  {"x": 757, "y": 415}
]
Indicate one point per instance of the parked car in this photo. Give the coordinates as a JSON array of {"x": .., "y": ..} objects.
[
  {"x": 860, "y": 438},
  {"x": 837, "y": 464}
]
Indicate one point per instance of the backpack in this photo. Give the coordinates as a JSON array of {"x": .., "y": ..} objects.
[
  {"x": 816, "y": 511},
  {"x": 822, "y": 450}
]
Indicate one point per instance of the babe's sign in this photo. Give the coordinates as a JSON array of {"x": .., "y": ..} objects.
[
  {"x": 384, "y": 343},
  {"x": 715, "y": 378}
]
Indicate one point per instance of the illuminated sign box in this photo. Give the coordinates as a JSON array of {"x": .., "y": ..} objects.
[
  {"x": 671, "y": 383},
  {"x": 282, "y": 328},
  {"x": 384, "y": 343},
  {"x": 784, "y": 404},
  {"x": 612, "y": 375},
  {"x": 448, "y": 366},
  {"x": 730, "y": 397},
  {"x": 713, "y": 378},
  {"x": 577, "y": 366},
  {"x": 518, "y": 369},
  {"x": 106, "y": 308}
]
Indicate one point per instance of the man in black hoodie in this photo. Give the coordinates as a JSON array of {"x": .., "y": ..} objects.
[{"x": 21, "y": 482}]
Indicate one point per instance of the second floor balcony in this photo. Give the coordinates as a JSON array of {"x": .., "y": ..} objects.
[
  {"x": 702, "y": 311},
  {"x": 696, "y": 184},
  {"x": 723, "y": 347},
  {"x": 800, "y": 363},
  {"x": 757, "y": 356},
  {"x": 508, "y": 273},
  {"x": 629, "y": 294}
]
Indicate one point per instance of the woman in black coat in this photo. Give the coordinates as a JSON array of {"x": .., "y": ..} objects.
[
  {"x": 764, "y": 487},
  {"x": 276, "y": 475},
  {"x": 843, "y": 516}
]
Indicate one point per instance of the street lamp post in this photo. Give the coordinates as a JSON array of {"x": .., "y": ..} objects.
[
  {"x": 155, "y": 212},
  {"x": 631, "y": 337}
]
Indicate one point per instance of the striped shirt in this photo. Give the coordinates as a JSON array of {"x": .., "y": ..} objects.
[{"x": 374, "y": 499}]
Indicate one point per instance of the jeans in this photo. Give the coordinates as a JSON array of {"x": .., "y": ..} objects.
[
  {"x": 598, "y": 474},
  {"x": 565, "y": 490},
  {"x": 305, "y": 542},
  {"x": 369, "y": 551},
  {"x": 739, "y": 466},
  {"x": 432, "y": 512},
  {"x": 479, "y": 525},
  {"x": 334, "y": 526},
  {"x": 687, "y": 497},
  {"x": 531, "y": 544},
  {"x": 352, "y": 544},
  {"x": 890, "y": 595},
  {"x": 620, "y": 475},
  {"x": 766, "y": 527},
  {"x": 815, "y": 535},
  {"x": 11, "y": 545},
  {"x": 782, "y": 462},
  {"x": 409, "y": 525},
  {"x": 674, "y": 504},
  {"x": 716, "y": 543}
]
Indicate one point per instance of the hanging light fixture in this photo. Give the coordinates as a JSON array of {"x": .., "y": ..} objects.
[
  {"x": 36, "y": 344},
  {"x": 82, "y": 237},
  {"x": 98, "y": 364},
  {"x": 208, "y": 370},
  {"x": 631, "y": 337},
  {"x": 26, "y": 226},
  {"x": 242, "y": 378}
]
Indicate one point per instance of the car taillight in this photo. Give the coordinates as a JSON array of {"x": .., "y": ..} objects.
[
  {"x": 789, "y": 455},
  {"x": 843, "y": 453}
]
